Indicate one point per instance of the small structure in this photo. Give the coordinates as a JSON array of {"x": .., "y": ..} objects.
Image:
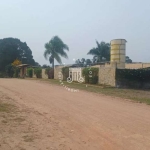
[
  {"x": 23, "y": 69},
  {"x": 118, "y": 53},
  {"x": 75, "y": 74}
]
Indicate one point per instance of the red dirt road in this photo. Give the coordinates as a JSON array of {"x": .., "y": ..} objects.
[{"x": 62, "y": 120}]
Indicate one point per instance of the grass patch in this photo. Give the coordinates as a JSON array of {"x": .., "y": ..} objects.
[
  {"x": 142, "y": 96},
  {"x": 4, "y": 107}
]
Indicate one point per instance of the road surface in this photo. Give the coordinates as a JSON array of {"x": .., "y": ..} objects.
[{"x": 62, "y": 120}]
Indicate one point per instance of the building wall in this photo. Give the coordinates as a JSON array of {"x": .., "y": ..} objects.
[
  {"x": 44, "y": 76},
  {"x": 56, "y": 71},
  {"x": 127, "y": 66},
  {"x": 137, "y": 65},
  {"x": 107, "y": 76},
  {"x": 76, "y": 74}
]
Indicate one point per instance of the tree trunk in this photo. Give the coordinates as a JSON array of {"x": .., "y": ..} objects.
[{"x": 53, "y": 69}]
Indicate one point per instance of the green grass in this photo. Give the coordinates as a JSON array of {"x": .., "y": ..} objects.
[
  {"x": 142, "y": 96},
  {"x": 4, "y": 107}
]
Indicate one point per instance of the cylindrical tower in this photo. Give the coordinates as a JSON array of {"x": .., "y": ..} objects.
[{"x": 118, "y": 52}]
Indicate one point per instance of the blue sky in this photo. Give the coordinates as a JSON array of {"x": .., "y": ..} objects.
[{"x": 78, "y": 23}]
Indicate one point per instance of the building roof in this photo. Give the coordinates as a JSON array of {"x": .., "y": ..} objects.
[{"x": 23, "y": 65}]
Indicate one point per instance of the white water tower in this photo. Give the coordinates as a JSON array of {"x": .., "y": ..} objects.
[{"x": 118, "y": 52}]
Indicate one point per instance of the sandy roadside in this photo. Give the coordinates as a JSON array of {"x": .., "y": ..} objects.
[{"x": 49, "y": 117}]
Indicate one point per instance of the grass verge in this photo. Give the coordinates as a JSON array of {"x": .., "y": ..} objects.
[{"x": 142, "y": 96}]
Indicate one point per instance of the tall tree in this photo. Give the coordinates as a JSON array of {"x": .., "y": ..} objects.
[
  {"x": 101, "y": 51},
  {"x": 78, "y": 61},
  {"x": 83, "y": 60},
  {"x": 88, "y": 62},
  {"x": 55, "y": 49},
  {"x": 37, "y": 64},
  {"x": 128, "y": 60},
  {"x": 11, "y": 49}
]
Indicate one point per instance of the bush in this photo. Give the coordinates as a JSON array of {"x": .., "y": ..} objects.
[
  {"x": 140, "y": 75},
  {"x": 133, "y": 78},
  {"x": 2, "y": 75},
  {"x": 38, "y": 72},
  {"x": 9, "y": 70},
  {"x": 16, "y": 72},
  {"x": 30, "y": 72},
  {"x": 65, "y": 72},
  {"x": 50, "y": 72},
  {"x": 90, "y": 75}
]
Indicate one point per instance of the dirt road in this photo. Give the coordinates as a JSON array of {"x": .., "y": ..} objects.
[{"x": 56, "y": 119}]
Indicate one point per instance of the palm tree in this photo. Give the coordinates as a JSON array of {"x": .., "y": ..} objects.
[
  {"x": 83, "y": 60},
  {"x": 88, "y": 62},
  {"x": 55, "y": 49},
  {"x": 101, "y": 51}
]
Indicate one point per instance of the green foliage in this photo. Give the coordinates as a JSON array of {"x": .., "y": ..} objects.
[
  {"x": 88, "y": 62},
  {"x": 37, "y": 64},
  {"x": 38, "y": 72},
  {"x": 50, "y": 72},
  {"x": 2, "y": 75},
  {"x": 133, "y": 78},
  {"x": 9, "y": 69},
  {"x": 47, "y": 70},
  {"x": 16, "y": 72},
  {"x": 65, "y": 72},
  {"x": 91, "y": 75},
  {"x": 11, "y": 49},
  {"x": 55, "y": 49},
  {"x": 30, "y": 72},
  {"x": 128, "y": 60},
  {"x": 140, "y": 75},
  {"x": 101, "y": 51},
  {"x": 83, "y": 62},
  {"x": 45, "y": 66},
  {"x": 12, "y": 71}
]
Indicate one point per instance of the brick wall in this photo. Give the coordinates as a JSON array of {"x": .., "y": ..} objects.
[
  {"x": 57, "y": 70},
  {"x": 44, "y": 76},
  {"x": 107, "y": 76},
  {"x": 137, "y": 65}
]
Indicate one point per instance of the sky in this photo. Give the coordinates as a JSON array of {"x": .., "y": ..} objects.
[{"x": 79, "y": 23}]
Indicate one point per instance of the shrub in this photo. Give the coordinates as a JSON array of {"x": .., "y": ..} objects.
[
  {"x": 9, "y": 70},
  {"x": 47, "y": 70},
  {"x": 90, "y": 75},
  {"x": 2, "y": 75},
  {"x": 16, "y": 72},
  {"x": 50, "y": 72},
  {"x": 133, "y": 78},
  {"x": 65, "y": 72},
  {"x": 38, "y": 72},
  {"x": 140, "y": 75},
  {"x": 30, "y": 72}
]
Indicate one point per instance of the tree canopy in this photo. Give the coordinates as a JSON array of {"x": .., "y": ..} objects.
[
  {"x": 83, "y": 62},
  {"x": 101, "y": 52},
  {"x": 55, "y": 49},
  {"x": 128, "y": 60},
  {"x": 12, "y": 49}
]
